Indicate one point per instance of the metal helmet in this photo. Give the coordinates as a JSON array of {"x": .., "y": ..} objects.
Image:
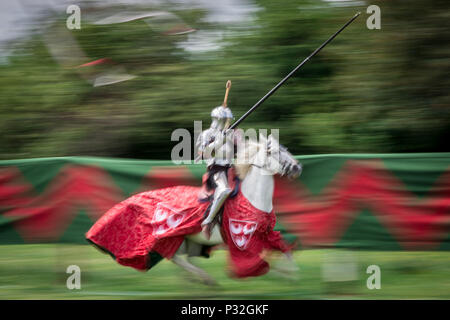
[{"x": 221, "y": 118}]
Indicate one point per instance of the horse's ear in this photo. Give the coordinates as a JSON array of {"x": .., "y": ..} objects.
[
  {"x": 262, "y": 138},
  {"x": 274, "y": 143}
]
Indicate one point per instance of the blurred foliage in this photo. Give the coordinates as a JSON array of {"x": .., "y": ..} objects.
[{"x": 368, "y": 91}]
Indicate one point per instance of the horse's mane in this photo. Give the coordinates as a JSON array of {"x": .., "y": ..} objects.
[{"x": 245, "y": 153}]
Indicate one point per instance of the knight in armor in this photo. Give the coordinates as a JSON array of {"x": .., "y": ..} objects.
[{"x": 217, "y": 147}]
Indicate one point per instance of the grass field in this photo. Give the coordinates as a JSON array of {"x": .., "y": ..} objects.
[{"x": 39, "y": 272}]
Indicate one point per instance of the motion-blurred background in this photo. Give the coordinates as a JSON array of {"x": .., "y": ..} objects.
[
  {"x": 137, "y": 70},
  {"x": 369, "y": 91}
]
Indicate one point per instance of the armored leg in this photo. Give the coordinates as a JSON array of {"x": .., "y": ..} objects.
[{"x": 221, "y": 193}]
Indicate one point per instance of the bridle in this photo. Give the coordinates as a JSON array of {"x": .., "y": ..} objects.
[{"x": 283, "y": 164}]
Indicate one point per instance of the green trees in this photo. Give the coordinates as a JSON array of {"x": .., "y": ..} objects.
[{"x": 368, "y": 91}]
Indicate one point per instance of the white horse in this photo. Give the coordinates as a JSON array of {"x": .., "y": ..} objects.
[{"x": 256, "y": 164}]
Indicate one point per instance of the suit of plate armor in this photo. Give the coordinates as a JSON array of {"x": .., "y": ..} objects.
[{"x": 217, "y": 148}]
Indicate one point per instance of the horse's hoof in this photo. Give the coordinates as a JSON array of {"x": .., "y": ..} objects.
[
  {"x": 202, "y": 280},
  {"x": 286, "y": 275},
  {"x": 210, "y": 282}
]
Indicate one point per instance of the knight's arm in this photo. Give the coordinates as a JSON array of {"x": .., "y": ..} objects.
[
  {"x": 206, "y": 144},
  {"x": 202, "y": 143}
]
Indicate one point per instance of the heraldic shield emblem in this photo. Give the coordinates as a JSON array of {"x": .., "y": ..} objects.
[
  {"x": 241, "y": 232},
  {"x": 165, "y": 219}
]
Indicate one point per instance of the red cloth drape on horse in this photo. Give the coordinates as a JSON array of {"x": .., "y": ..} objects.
[
  {"x": 153, "y": 221},
  {"x": 146, "y": 226},
  {"x": 248, "y": 233}
]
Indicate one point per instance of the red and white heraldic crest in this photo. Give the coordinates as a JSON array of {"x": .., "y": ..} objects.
[
  {"x": 165, "y": 219},
  {"x": 241, "y": 232}
]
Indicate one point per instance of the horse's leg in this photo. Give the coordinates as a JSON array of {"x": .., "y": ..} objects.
[
  {"x": 181, "y": 259},
  {"x": 287, "y": 267},
  {"x": 199, "y": 238},
  {"x": 290, "y": 258}
]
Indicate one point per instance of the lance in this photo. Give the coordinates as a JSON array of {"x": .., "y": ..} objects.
[
  {"x": 268, "y": 94},
  {"x": 227, "y": 90}
]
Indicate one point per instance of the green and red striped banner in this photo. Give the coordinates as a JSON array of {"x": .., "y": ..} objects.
[{"x": 369, "y": 201}]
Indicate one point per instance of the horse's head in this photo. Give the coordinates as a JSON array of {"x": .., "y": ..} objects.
[
  {"x": 269, "y": 155},
  {"x": 279, "y": 160}
]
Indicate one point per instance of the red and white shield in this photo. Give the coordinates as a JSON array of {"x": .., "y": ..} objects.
[
  {"x": 165, "y": 218},
  {"x": 241, "y": 232}
]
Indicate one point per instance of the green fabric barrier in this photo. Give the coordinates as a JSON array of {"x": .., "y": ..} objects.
[{"x": 365, "y": 201}]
